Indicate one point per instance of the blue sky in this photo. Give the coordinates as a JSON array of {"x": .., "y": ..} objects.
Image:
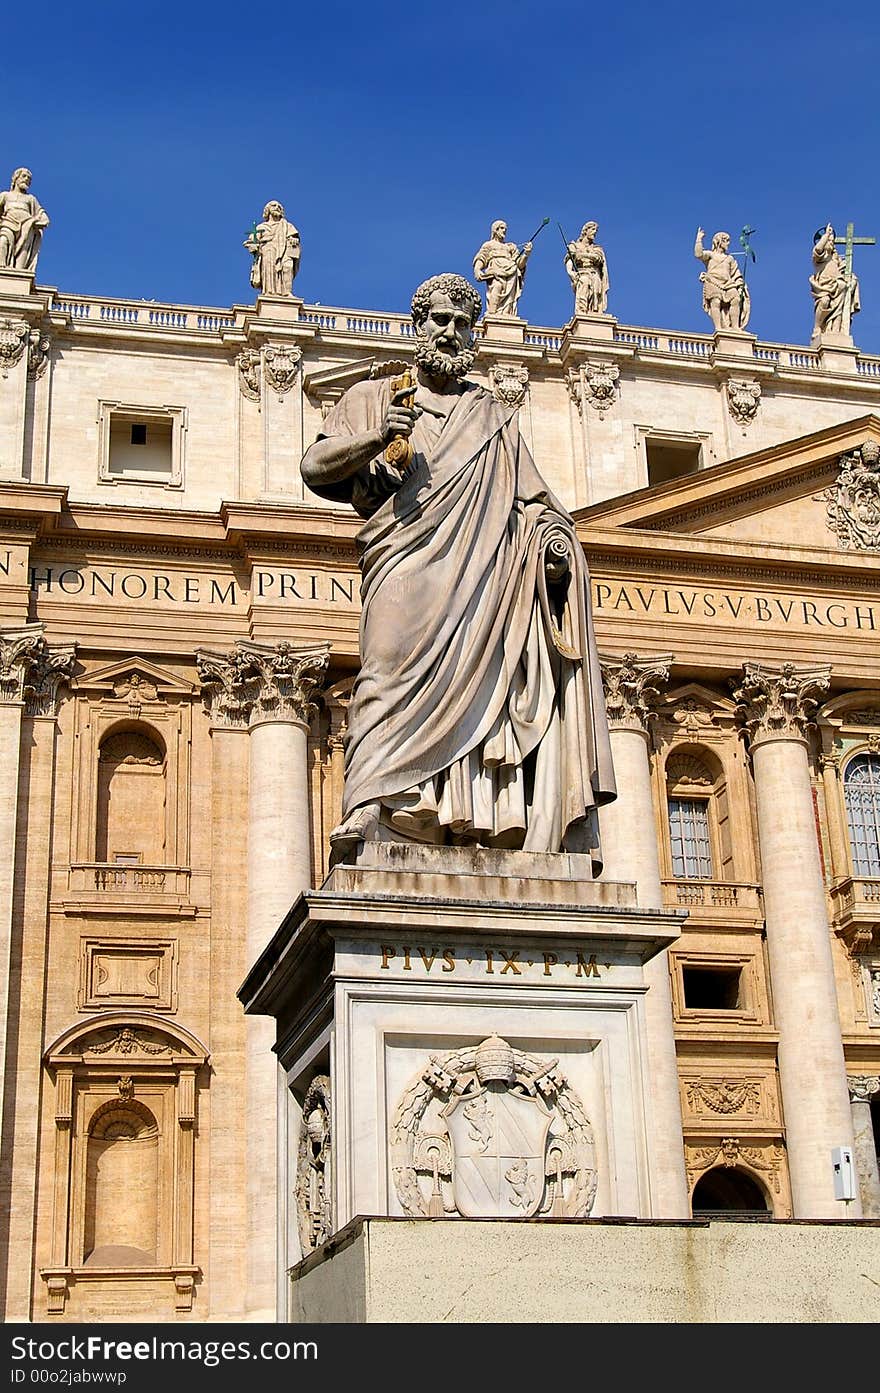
[{"x": 395, "y": 134}]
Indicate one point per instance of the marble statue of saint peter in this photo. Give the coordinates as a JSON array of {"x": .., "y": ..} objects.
[{"x": 477, "y": 716}]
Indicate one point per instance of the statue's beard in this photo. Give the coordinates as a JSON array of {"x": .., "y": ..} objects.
[{"x": 437, "y": 364}]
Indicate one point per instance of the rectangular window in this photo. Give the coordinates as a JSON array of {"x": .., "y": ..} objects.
[
  {"x": 141, "y": 444},
  {"x": 711, "y": 988},
  {"x": 670, "y": 459},
  {"x": 689, "y": 835}
]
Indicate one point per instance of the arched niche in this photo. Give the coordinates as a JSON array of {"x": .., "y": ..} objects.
[
  {"x": 125, "y": 1100},
  {"x": 130, "y": 818}
]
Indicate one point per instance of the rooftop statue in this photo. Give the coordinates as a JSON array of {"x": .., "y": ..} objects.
[
  {"x": 477, "y": 716},
  {"x": 588, "y": 272},
  {"x": 833, "y": 285},
  {"x": 502, "y": 265},
  {"x": 275, "y": 246},
  {"x": 22, "y": 222},
  {"x": 725, "y": 294}
]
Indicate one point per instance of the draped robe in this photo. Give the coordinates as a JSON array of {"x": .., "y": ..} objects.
[{"x": 478, "y": 712}]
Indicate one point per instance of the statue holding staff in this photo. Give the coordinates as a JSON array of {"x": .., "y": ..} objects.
[
  {"x": 725, "y": 294},
  {"x": 834, "y": 286},
  {"x": 477, "y": 717},
  {"x": 502, "y": 266},
  {"x": 588, "y": 271}
]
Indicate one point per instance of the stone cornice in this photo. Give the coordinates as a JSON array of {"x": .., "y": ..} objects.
[
  {"x": 632, "y": 688},
  {"x": 779, "y": 701},
  {"x": 256, "y": 682}
]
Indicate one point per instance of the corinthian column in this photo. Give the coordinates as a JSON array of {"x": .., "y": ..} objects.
[
  {"x": 861, "y": 1090},
  {"x": 776, "y": 705},
  {"x": 629, "y": 847},
  {"x": 270, "y": 688}
]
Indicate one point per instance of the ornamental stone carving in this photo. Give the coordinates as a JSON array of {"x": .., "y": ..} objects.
[
  {"x": 126, "y": 1041},
  {"x": 18, "y": 650},
  {"x": 13, "y": 340},
  {"x": 743, "y": 399},
  {"x": 509, "y": 382},
  {"x": 600, "y": 381},
  {"x": 38, "y": 353},
  {"x": 50, "y": 668},
  {"x": 779, "y": 701},
  {"x": 488, "y": 1131},
  {"x": 768, "y": 1160},
  {"x": 726, "y": 1096},
  {"x": 31, "y": 670},
  {"x": 853, "y": 503},
  {"x": 281, "y": 364},
  {"x": 313, "y": 1167},
  {"x": 257, "y": 681},
  {"x": 862, "y": 1087},
  {"x": 632, "y": 687},
  {"x": 248, "y": 364},
  {"x": 874, "y": 977}
]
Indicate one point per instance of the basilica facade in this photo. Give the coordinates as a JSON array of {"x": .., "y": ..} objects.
[{"x": 178, "y": 641}]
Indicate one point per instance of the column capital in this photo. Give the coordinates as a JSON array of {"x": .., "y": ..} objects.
[
  {"x": 862, "y": 1087},
  {"x": 632, "y": 687},
  {"x": 32, "y": 670},
  {"x": 257, "y": 682},
  {"x": 777, "y": 701}
]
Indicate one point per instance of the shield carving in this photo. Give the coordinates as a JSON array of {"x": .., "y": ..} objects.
[{"x": 499, "y": 1140}]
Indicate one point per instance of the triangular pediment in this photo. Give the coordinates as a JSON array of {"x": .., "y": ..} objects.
[
  {"x": 788, "y": 495},
  {"x": 115, "y": 677}
]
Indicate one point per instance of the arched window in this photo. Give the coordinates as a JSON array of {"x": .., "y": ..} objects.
[
  {"x": 131, "y": 799},
  {"x": 861, "y": 787},
  {"x": 725, "y": 1191},
  {"x": 699, "y": 836},
  {"x": 122, "y": 1179}
]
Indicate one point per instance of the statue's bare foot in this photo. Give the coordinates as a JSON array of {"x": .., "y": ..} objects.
[{"x": 361, "y": 826}]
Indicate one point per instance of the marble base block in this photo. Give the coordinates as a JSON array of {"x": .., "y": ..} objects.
[{"x": 481, "y": 1016}]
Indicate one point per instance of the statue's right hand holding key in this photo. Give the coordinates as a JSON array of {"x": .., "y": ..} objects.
[{"x": 399, "y": 419}]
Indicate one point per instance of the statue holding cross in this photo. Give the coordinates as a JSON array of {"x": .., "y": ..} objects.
[{"x": 834, "y": 285}]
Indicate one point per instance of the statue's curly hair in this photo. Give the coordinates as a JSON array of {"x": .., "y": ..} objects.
[{"x": 460, "y": 291}]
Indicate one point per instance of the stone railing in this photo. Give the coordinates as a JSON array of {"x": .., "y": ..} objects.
[
  {"x": 374, "y": 324},
  {"x": 713, "y": 895},
  {"x": 143, "y": 314},
  {"x": 109, "y": 879}
]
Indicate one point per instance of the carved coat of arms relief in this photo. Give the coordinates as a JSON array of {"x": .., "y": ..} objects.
[{"x": 491, "y": 1132}]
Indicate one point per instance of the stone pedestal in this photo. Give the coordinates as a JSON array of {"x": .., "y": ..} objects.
[
  {"x": 733, "y": 343},
  {"x": 591, "y": 328},
  {"x": 481, "y": 1017},
  {"x": 503, "y": 328},
  {"x": 837, "y": 352}
]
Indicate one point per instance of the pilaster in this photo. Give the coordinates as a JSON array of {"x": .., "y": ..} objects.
[
  {"x": 33, "y": 673},
  {"x": 776, "y": 705}
]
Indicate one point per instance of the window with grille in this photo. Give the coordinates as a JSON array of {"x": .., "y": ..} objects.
[
  {"x": 861, "y": 785},
  {"x": 689, "y": 836}
]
